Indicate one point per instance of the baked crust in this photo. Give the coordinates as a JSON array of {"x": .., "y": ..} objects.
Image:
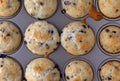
[
  {"x": 110, "y": 71},
  {"x": 41, "y": 37},
  {"x": 9, "y": 7},
  {"x": 10, "y": 70},
  {"x": 78, "y": 70},
  {"x": 42, "y": 69},
  {"x": 10, "y": 37},
  {"x": 41, "y": 9},
  {"x": 77, "y": 38},
  {"x": 109, "y": 39},
  {"x": 109, "y": 8},
  {"x": 77, "y": 8}
]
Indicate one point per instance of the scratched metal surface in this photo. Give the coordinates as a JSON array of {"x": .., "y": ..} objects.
[{"x": 60, "y": 56}]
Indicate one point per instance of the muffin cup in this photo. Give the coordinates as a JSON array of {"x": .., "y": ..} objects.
[
  {"x": 98, "y": 42},
  {"x": 15, "y": 14},
  {"x": 4, "y": 56},
  {"x": 105, "y": 17},
  {"x": 20, "y": 42},
  {"x": 81, "y": 59},
  {"x": 104, "y": 62},
  {"x": 46, "y": 55},
  {"x": 63, "y": 11},
  {"x": 56, "y": 66},
  {"x": 43, "y": 18},
  {"x": 88, "y": 51}
]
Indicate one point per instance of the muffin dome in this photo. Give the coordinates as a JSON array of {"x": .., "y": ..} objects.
[
  {"x": 77, "y": 8},
  {"x": 10, "y": 37},
  {"x": 109, "y": 8},
  {"x": 42, "y": 69},
  {"x": 41, "y": 38},
  {"x": 77, "y": 38},
  {"x": 41, "y": 9},
  {"x": 110, "y": 71},
  {"x": 78, "y": 70},
  {"x": 109, "y": 39},
  {"x": 10, "y": 70},
  {"x": 9, "y": 7}
]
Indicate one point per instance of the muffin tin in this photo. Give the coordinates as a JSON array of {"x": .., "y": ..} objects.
[{"x": 95, "y": 57}]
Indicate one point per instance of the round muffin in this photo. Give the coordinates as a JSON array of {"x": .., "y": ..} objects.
[
  {"x": 78, "y": 70},
  {"x": 10, "y": 70},
  {"x": 10, "y": 37},
  {"x": 42, "y": 69},
  {"x": 109, "y": 39},
  {"x": 110, "y": 71},
  {"x": 9, "y": 7},
  {"x": 41, "y": 38},
  {"x": 77, "y": 38},
  {"x": 77, "y": 8},
  {"x": 109, "y": 8},
  {"x": 41, "y": 9}
]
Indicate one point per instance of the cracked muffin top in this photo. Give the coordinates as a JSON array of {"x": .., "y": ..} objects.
[
  {"x": 42, "y": 69},
  {"x": 77, "y": 38},
  {"x": 41, "y": 38}
]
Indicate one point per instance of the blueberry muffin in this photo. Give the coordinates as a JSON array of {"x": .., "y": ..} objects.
[
  {"x": 77, "y": 38},
  {"x": 41, "y": 9},
  {"x": 110, "y": 71},
  {"x": 9, "y": 7},
  {"x": 109, "y": 8},
  {"x": 109, "y": 39},
  {"x": 77, "y": 8},
  {"x": 10, "y": 70},
  {"x": 41, "y": 38},
  {"x": 10, "y": 37},
  {"x": 78, "y": 70},
  {"x": 42, "y": 69}
]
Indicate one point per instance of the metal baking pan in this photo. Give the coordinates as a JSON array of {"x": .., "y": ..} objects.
[{"x": 96, "y": 56}]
